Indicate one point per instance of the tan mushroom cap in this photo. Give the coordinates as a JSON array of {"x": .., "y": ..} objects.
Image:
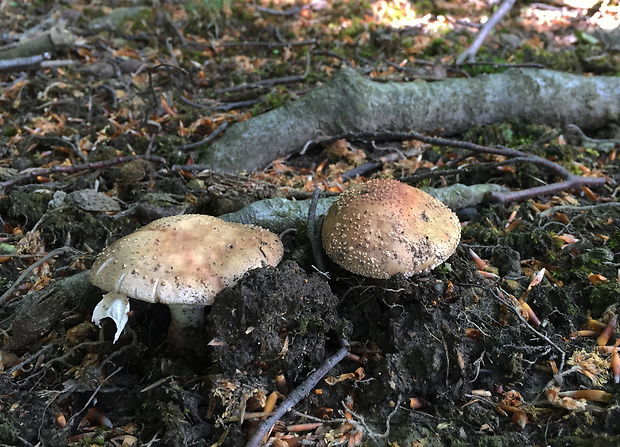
[
  {"x": 385, "y": 227},
  {"x": 184, "y": 259}
]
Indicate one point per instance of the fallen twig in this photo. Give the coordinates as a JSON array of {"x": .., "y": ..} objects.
[
  {"x": 300, "y": 43},
  {"x": 561, "y": 208},
  {"x": 78, "y": 153},
  {"x": 246, "y": 416},
  {"x": 222, "y": 127},
  {"x": 23, "y": 63},
  {"x": 32, "y": 63},
  {"x": 77, "y": 168},
  {"x": 371, "y": 165},
  {"x": 55, "y": 39},
  {"x": 32, "y": 357},
  {"x": 523, "y": 321},
  {"x": 34, "y": 265},
  {"x": 350, "y": 102},
  {"x": 195, "y": 104},
  {"x": 237, "y": 105},
  {"x": 570, "y": 181},
  {"x": 371, "y": 433},
  {"x": 470, "y": 53},
  {"x": 601, "y": 144},
  {"x": 177, "y": 31},
  {"x": 91, "y": 398},
  {"x": 268, "y": 82},
  {"x": 289, "y": 12},
  {"x": 414, "y": 178},
  {"x": 299, "y": 393}
]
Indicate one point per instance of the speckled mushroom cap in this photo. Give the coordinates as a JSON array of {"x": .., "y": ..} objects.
[
  {"x": 385, "y": 227},
  {"x": 184, "y": 259}
]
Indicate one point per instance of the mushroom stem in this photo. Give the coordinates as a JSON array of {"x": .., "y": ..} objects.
[{"x": 182, "y": 317}]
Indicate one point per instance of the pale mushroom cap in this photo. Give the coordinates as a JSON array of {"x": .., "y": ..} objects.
[
  {"x": 184, "y": 259},
  {"x": 385, "y": 227}
]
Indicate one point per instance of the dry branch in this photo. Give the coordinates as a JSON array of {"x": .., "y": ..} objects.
[
  {"x": 53, "y": 40},
  {"x": 470, "y": 53},
  {"x": 353, "y": 103}
]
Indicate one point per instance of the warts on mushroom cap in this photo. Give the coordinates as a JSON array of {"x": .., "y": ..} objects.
[{"x": 385, "y": 227}]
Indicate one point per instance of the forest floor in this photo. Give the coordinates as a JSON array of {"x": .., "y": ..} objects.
[{"x": 101, "y": 143}]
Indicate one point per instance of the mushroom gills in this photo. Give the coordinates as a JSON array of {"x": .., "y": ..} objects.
[{"x": 113, "y": 305}]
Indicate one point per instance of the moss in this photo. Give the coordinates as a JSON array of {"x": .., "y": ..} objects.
[
  {"x": 209, "y": 8},
  {"x": 614, "y": 241},
  {"x": 167, "y": 146},
  {"x": 423, "y": 7},
  {"x": 29, "y": 205},
  {"x": 257, "y": 109},
  {"x": 275, "y": 99},
  {"x": 572, "y": 310},
  {"x": 604, "y": 295},
  {"x": 512, "y": 133},
  {"x": 10, "y": 131},
  {"x": 304, "y": 322},
  {"x": 438, "y": 47},
  {"x": 357, "y": 27},
  {"x": 8, "y": 432},
  {"x": 527, "y": 241},
  {"x": 594, "y": 258},
  {"x": 567, "y": 61},
  {"x": 104, "y": 153}
]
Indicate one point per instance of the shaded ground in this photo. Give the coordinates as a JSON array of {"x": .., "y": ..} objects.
[{"x": 442, "y": 359}]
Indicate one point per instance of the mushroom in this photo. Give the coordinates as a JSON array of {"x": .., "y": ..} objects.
[
  {"x": 182, "y": 261},
  {"x": 385, "y": 227}
]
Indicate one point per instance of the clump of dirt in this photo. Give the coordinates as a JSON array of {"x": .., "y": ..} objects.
[{"x": 275, "y": 320}]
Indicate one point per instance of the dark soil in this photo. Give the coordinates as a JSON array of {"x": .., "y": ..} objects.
[{"x": 434, "y": 338}]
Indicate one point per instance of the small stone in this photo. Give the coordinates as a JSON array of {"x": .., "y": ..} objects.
[{"x": 92, "y": 200}]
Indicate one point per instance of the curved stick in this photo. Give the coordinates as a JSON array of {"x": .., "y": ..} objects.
[{"x": 299, "y": 393}]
